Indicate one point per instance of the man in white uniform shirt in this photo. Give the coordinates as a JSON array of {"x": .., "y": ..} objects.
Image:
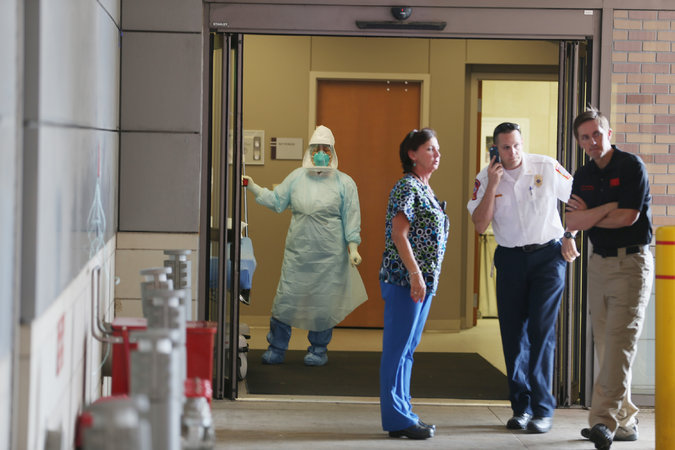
[{"x": 519, "y": 194}]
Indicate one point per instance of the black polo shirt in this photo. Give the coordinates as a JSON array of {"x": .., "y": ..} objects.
[{"x": 623, "y": 180}]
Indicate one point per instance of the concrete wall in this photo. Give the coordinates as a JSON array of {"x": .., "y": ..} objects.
[
  {"x": 60, "y": 362},
  {"x": 69, "y": 215},
  {"x": 11, "y": 20},
  {"x": 161, "y": 104},
  {"x": 160, "y": 139}
]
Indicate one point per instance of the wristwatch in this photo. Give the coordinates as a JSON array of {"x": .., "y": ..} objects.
[{"x": 568, "y": 235}]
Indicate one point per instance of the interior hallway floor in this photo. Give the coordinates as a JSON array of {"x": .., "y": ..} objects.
[
  {"x": 304, "y": 422},
  {"x": 484, "y": 339}
]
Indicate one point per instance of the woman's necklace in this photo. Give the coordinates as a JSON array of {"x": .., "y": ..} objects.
[
  {"x": 441, "y": 205},
  {"x": 420, "y": 179}
]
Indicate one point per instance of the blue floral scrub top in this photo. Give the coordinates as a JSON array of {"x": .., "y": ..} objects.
[{"x": 428, "y": 233}]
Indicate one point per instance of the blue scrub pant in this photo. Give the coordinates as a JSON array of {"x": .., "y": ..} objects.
[
  {"x": 404, "y": 322},
  {"x": 280, "y": 334},
  {"x": 529, "y": 288}
]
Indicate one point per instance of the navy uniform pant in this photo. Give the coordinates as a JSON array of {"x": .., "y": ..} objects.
[
  {"x": 404, "y": 322},
  {"x": 529, "y": 288}
]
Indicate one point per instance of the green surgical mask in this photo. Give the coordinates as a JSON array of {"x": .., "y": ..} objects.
[{"x": 321, "y": 159}]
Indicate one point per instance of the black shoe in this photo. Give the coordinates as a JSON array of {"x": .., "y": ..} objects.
[
  {"x": 540, "y": 424},
  {"x": 413, "y": 432},
  {"x": 425, "y": 425},
  {"x": 586, "y": 432},
  {"x": 600, "y": 436},
  {"x": 518, "y": 421}
]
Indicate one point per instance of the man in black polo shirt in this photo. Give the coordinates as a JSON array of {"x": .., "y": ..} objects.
[{"x": 610, "y": 199}]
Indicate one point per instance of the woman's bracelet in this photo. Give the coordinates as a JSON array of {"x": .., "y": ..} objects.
[{"x": 414, "y": 273}]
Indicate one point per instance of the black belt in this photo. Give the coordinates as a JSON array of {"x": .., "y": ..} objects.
[
  {"x": 534, "y": 247},
  {"x": 605, "y": 252}
]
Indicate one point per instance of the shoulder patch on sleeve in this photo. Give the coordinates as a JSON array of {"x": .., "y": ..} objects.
[
  {"x": 476, "y": 186},
  {"x": 562, "y": 172}
]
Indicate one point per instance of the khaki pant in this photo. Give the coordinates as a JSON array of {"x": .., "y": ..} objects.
[{"x": 619, "y": 289}]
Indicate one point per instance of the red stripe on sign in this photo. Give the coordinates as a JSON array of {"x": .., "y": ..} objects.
[
  {"x": 665, "y": 242},
  {"x": 665, "y": 277}
]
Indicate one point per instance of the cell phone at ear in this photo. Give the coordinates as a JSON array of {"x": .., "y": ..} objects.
[{"x": 494, "y": 152}]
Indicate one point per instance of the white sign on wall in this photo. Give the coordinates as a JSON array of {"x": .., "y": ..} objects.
[{"x": 286, "y": 148}]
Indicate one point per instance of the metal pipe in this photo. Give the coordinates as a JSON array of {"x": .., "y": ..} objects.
[{"x": 99, "y": 329}]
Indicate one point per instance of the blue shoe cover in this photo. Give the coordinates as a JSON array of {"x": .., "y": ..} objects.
[
  {"x": 272, "y": 356},
  {"x": 312, "y": 359}
]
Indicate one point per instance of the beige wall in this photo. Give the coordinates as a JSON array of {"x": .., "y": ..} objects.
[
  {"x": 532, "y": 104},
  {"x": 276, "y": 99},
  {"x": 138, "y": 251}
]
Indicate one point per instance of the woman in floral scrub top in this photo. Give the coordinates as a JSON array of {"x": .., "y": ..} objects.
[{"x": 415, "y": 237}]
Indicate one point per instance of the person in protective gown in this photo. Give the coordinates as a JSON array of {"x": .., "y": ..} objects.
[{"x": 319, "y": 284}]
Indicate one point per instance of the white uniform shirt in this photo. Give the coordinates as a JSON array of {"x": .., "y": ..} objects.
[{"x": 526, "y": 208}]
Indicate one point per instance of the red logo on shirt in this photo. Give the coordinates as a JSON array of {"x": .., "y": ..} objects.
[
  {"x": 587, "y": 188},
  {"x": 476, "y": 186},
  {"x": 613, "y": 182}
]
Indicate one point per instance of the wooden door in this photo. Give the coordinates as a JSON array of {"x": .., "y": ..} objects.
[{"x": 369, "y": 119}]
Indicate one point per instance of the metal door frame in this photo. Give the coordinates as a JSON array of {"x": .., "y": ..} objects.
[
  {"x": 226, "y": 314},
  {"x": 234, "y": 19},
  {"x": 573, "y": 377}
]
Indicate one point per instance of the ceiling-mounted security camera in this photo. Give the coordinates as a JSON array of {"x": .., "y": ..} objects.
[{"x": 401, "y": 12}]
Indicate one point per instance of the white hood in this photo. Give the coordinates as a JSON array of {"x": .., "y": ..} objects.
[{"x": 322, "y": 135}]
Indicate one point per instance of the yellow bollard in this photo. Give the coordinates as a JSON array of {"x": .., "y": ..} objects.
[{"x": 665, "y": 338}]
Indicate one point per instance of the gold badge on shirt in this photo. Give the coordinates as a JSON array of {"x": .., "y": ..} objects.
[{"x": 538, "y": 180}]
